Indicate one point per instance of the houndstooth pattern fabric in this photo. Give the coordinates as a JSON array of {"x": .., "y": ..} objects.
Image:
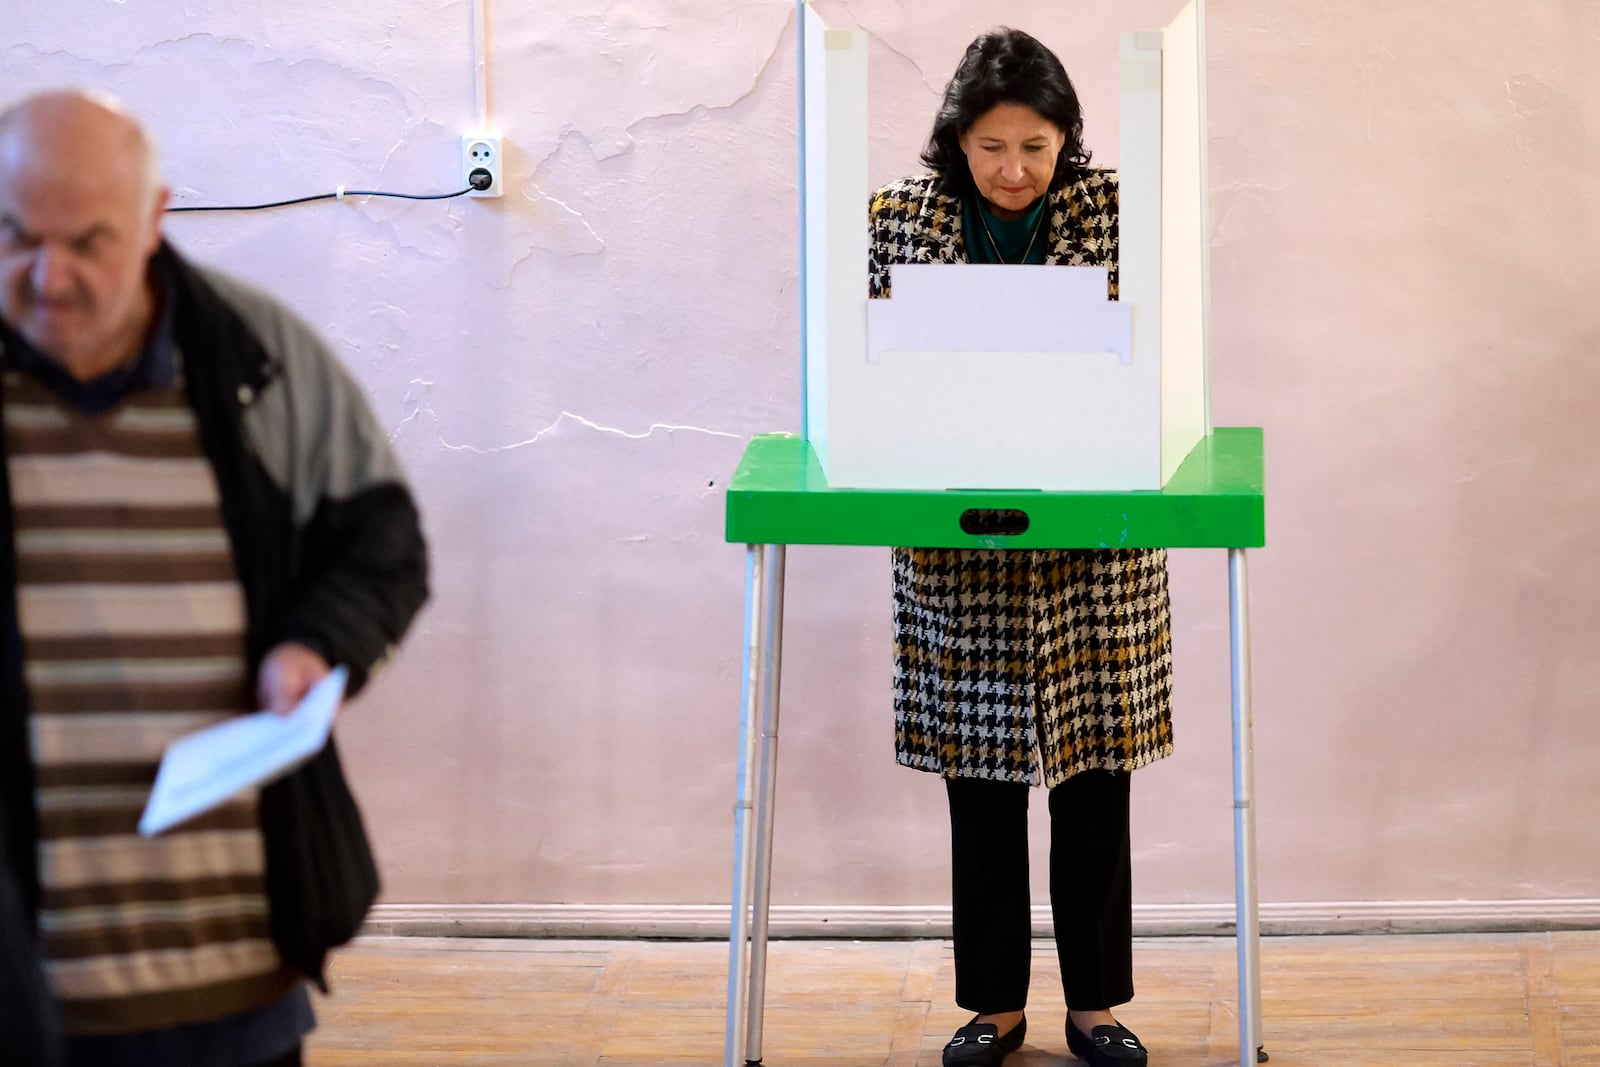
[
  {"x": 1022, "y": 665},
  {"x": 912, "y": 222}
]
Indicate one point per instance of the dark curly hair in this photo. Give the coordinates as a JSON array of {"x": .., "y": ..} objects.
[{"x": 1005, "y": 66}]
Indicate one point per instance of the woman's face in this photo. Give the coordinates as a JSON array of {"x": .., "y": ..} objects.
[{"x": 1012, "y": 151}]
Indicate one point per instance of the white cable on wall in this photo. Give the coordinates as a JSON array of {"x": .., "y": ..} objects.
[
  {"x": 1205, "y": 206},
  {"x": 480, "y": 62}
]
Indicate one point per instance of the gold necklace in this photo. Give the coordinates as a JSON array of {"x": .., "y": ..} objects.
[{"x": 996, "y": 244}]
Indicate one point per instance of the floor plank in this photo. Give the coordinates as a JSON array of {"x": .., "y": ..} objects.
[{"x": 1510, "y": 1000}]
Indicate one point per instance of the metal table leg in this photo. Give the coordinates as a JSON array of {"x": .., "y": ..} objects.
[
  {"x": 1251, "y": 1047},
  {"x": 753, "y": 809},
  {"x": 766, "y": 796},
  {"x": 743, "y": 807}
]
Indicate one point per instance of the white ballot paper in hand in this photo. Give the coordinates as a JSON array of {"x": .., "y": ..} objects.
[{"x": 205, "y": 768}]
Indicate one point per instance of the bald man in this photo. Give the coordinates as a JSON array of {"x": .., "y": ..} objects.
[{"x": 201, "y": 517}]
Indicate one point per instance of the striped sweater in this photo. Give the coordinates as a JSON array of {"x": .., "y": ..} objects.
[
  {"x": 324, "y": 534},
  {"x": 133, "y": 631}
]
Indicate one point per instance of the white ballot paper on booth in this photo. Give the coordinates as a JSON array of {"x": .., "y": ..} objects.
[{"x": 209, "y": 766}]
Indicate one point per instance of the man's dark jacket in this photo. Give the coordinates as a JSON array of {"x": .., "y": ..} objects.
[{"x": 326, "y": 538}]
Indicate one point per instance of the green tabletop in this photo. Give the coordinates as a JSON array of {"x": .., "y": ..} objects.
[{"x": 780, "y": 496}]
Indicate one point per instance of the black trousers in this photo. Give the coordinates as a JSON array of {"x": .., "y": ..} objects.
[
  {"x": 292, "y": 1058},
  {"x": 1091, "y": 895},
  {"x": 93, "y": 1058}
]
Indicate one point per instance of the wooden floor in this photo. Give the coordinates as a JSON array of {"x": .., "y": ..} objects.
[{"x": 1389, "y": 1001}]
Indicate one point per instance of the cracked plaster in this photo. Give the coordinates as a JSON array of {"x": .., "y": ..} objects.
[{"x": 1404, "y": 216}]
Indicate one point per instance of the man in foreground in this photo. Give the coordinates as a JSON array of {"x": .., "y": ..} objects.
[{"x": 200, "y": 516}]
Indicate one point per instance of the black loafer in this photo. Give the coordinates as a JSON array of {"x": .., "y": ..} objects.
[
  {"x": 1108, "y": 1046},
  {"x": 980, "y": 1044}
]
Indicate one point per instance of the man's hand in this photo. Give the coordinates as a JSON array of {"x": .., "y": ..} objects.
[{"x": 287, "y": 674}]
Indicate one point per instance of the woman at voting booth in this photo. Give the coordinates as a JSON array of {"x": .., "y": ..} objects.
[{"x": 1015, "y": 667}]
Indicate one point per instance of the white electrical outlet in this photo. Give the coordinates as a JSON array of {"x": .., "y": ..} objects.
[{"x": 481, "y": 152}]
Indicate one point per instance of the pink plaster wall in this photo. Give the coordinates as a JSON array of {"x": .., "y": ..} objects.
[{"x": 1405, "y": 208}]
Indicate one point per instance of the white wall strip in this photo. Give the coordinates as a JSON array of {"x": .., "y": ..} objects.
[{"x": 704, "y": 921}]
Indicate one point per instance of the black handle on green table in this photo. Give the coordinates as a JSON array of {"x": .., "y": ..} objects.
[{"x": 994, "y": 522}]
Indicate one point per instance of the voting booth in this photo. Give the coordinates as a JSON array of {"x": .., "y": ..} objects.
[
  {"x": 975, "y": 392},
  {"x": 1010, "y": 377}
]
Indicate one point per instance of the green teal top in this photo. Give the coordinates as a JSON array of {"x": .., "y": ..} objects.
[{"x": 1019, "y": 240}]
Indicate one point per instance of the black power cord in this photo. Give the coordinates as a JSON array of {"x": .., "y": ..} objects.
[{"x": 478, "y": 181}]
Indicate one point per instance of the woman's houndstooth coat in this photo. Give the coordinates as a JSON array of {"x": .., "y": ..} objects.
[{"x": 1009, "y": 662}]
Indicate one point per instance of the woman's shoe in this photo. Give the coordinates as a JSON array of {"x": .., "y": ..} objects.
[
  {"x": 1108, "y": 1046},
  {"x": 981, "y": 1044}
]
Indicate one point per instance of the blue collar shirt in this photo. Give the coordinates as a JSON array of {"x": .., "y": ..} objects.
[{"x": 155, "y": 366}]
